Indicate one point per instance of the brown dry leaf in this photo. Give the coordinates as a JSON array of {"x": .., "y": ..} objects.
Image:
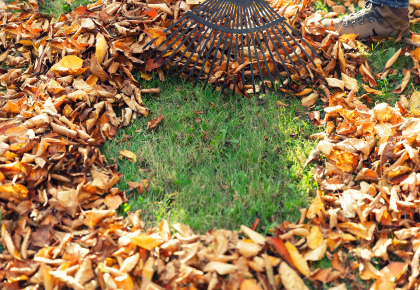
[
  {"x": 310, "y": 100},
  {"x": 335, "y": 83},
  {"x": 281, "y": 104},
  {"x": 350, "y": 83},
  {"x": 339, "y": 9},
  {"x": 317, "y": 253},
  {"x": 304, "y": 92},
  {"x": 290, "y": 279},
  {"x": 152, "y": 124}
]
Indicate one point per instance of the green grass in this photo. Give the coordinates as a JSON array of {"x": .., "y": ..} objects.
[
  {"x": 238, "y": 160},
  {"x": 57, "y": 7}
]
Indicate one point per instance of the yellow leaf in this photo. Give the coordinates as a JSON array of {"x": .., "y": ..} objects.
[
  {"x": 130, "y": 155},
  {"x": 315, "y": 207},
  {"x": 101, "y": 48},
  {"x": 391, "y": 61},
  {"x": 317, "y": 253},
  {"x": 315, "y": 238},
  {"x": 69, "y": 65},
  {"x": 369, "y": 90},
  {"x": 415, "y": 99},
  {"x": 299, "y": 262},
  {"x": 68, "y": 62},
  {"x": 145, "y": 242}
]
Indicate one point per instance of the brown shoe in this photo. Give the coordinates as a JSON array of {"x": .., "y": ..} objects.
[{"x": 373, "y": 20}]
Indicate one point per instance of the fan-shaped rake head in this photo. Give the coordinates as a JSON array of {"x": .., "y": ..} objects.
[{"x": 230, "y": 40}]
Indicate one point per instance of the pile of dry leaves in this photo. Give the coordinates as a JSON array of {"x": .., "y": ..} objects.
[{"x": 64, "y": 78}]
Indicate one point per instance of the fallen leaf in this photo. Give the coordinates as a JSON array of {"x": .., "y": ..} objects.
[
  {"x": 298, "y": 261},
  {"x": 130, "y": 155},
  {"x": 392, "y": 60}
]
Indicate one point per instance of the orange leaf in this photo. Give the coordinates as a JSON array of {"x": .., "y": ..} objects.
[
  {"x": 145, "y": 242},
  {"x": 156, "y": 33}
]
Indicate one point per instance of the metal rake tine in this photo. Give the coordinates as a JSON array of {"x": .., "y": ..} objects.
[
  {"x": 303, "y": 40},
  {"x": 224, "y": 45},
  {"x": 266, "y": 43},
  {"x": 280, "y": 56},
  {"x": 207, "y": 56},
  {"x": 179, "y": 46},
  {"x": 184, "y": 32},
  {"x": 249, "y": 51},
  {"x": 189, "y": 45},
  {"x": 297, "y": 55},
  {"x": 288, "y": 43},
  {"x": 216, "y": 17},
  {"x": 230, "y": 48},
  {"x": 169, "y": 36},
  {"x": 242, "y": 47},
  {"x": 176, "y": 23},
  {"x": 278, "y": 53},
  {"x": 216, "y": 32},
  {"x": 214, "y": 57},
  {"x": 284, "y": 48},
  {"x": 257, "y": 57},
  {"x": 236, "y": 50},
  {"x": 297, "y": 43},
  {"x": 189, "y": 58},
  {"x": 228, "y": 20}
]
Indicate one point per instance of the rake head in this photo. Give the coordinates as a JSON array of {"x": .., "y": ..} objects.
[{"x": 230, "y": 40}]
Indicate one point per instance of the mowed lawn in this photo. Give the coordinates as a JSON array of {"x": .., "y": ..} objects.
[{"x": 217, "y": 161}]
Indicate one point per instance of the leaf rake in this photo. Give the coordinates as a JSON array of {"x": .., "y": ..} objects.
[{"x": 248, "y": 36}]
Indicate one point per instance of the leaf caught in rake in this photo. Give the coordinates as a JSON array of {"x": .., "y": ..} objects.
[{"x": 233, "y": 39}]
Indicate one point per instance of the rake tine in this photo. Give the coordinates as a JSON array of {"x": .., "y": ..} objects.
[
  {"x": 202, "y": 8},
  {"x": 271, "y": 55},
  {"x": 207, "y": 56},
  {"x": 201, "y": 52},
  {"x": 228, "y": 20},
  {"x": 301, "y": 48},
  {"x": 216, "y": 18},
  {"x": 236, "y": 48},
  {"x": 173, "y": 33},
  {"x": 189, "y": 45},
  {"x": 288, "y": 43},
  {"x": 291, "y": 36},
  {"x": 284, "y": 48},
  {"x": 297, "y": 55},
  {"x": 189, "y": 59},
  {"x": 210, "y": 49},
  {"x": 169, "y": 36},
  {"x": 304, "y": 41},
  {"x": 278, "y": 53},
  {"x": 257, "y": 57},
  {"x": 251, "y": 24},
  {"x": 179, "y": 46},
  {"x": 230, "y": 48},
  {"x": 214, "y": 58}
]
